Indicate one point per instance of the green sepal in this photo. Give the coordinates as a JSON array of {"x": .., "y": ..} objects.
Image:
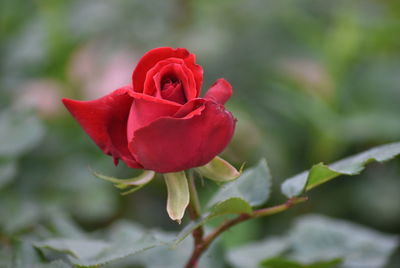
[
  {"x": 134, "y": 183},
  {"x": 178, "y": 194},
  {"x": 219, "y": 170}
]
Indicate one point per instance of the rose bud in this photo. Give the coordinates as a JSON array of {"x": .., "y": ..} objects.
[{"x": 159, "y": 122}]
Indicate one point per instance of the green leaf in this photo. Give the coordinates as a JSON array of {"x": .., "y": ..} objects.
[
  {"x": 124, "y": 234},
  {"x": 6, "y": 256},
  {"x": 19, "y": 132},
  {"x": 17, "y": 214},
  {"x": 24, "y": 255},
  {"x": 165, "y": 257},
  {"x": 316, "y": 238},
  {"x": 8, "y": 170},
  {"x": 79, "y": 248},
  {"x": 232, "y": 205},
  {"x": 124, "y": 240},
  {"x": 318, "y": 242},
  {"x": 219, "y": 170},
  {"x": 353, "y": 165},
  {"x": 320, "y": 174},
  {"x": 63, "y": 225},
  {"x": 129, "y": 245},
  {"x": 55, "y": 264},
  {"x": 178, "y": 194},
  {"x": 252, "y": 254},
  {"x": 279, "y": 262},
  {"x": 252, "y": 188},
  {"x": 162, "y": 255}
]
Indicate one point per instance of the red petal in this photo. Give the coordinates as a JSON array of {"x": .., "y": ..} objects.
[
  {"x": 188, "y": 90},
  {"x": 152, "y": 57},
  {"x": 105, "y": 121},
  {"x": 220, "y": 91},
  {"x": 149, "y": 83},
  {"x": 191, "y": 108},
  {"x": 197, "y": 71},
  {"x": 174, "y": 92},
  {"x": 175, "y": 144},
  {"x": 145, "y": 109}
]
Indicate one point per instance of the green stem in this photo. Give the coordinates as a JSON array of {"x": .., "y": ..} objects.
[
  {"x": 276, "y": 209},
  {"x": 194, "y": 197}
]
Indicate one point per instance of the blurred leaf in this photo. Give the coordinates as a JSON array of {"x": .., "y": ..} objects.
[
  {"x": 17, "y": 213},
  {"x": 5, "y": 256},
  {"x": 315, "y": 238},
  {"x": 219, "y": 170},
  {"x": 55, "y": 264},
  {"x": 121, "y": 245},
  {"x": 24, "y": 255},
  {"x": 75, "y": 188},
  {"x": 370, "y": 125},
  {"x": 252, "y": 188},
  {"x": 353, "y": 165},
  {"x": 63, "y": 225},
  {"x": 163, "y": 255},
  {"x": 81, "y": 249},
  {"x": 318, "y": 242},
  {"x": 19, "y": 132},
  {"x": 8, "y": 169},
  {"x": 285, "y": 263},
  {"x": 346, "y": 31},
  {"x": 252, "y": 254},
  {"x": 122, "y": 242},
  {"x": 240, "y": 234}
]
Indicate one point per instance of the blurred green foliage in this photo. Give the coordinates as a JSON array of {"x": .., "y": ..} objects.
[{"x": 313, "y": 81}]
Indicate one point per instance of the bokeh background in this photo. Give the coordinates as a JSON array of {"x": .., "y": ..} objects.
[{"x": 313, "y": 81}]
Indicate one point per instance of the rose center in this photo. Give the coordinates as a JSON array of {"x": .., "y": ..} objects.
[
  {"x": 168, "y": 82},
  {"x": 172, "y": 89}
]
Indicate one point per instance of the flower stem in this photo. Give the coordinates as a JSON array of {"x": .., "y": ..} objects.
[
  {"x": 194, "y": 197},
  {"x": 279, "y": 208},
  {"x": 195, "y": 212},
  {"x": 200, "y": 248}
]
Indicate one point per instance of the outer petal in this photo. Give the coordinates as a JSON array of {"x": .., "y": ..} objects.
[
  {"x": 153, "y": 56},
  {"x": 145, "y": 109},
  {"x": 220, "y": 91},
  {"x": 105, "y": 121},
  {"x": 191, "y": 108},
  {"x": 197, "y": 71},
  {"x": 175, "y": 144}
]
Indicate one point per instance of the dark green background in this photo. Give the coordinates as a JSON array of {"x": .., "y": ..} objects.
[{"x": 313, "y": 81}]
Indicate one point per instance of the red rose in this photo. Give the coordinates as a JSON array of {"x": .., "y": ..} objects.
[{"x": 159, "y": 122}]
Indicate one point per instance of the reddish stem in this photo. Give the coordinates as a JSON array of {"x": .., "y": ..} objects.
[{"x": 202, "y": 246}]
